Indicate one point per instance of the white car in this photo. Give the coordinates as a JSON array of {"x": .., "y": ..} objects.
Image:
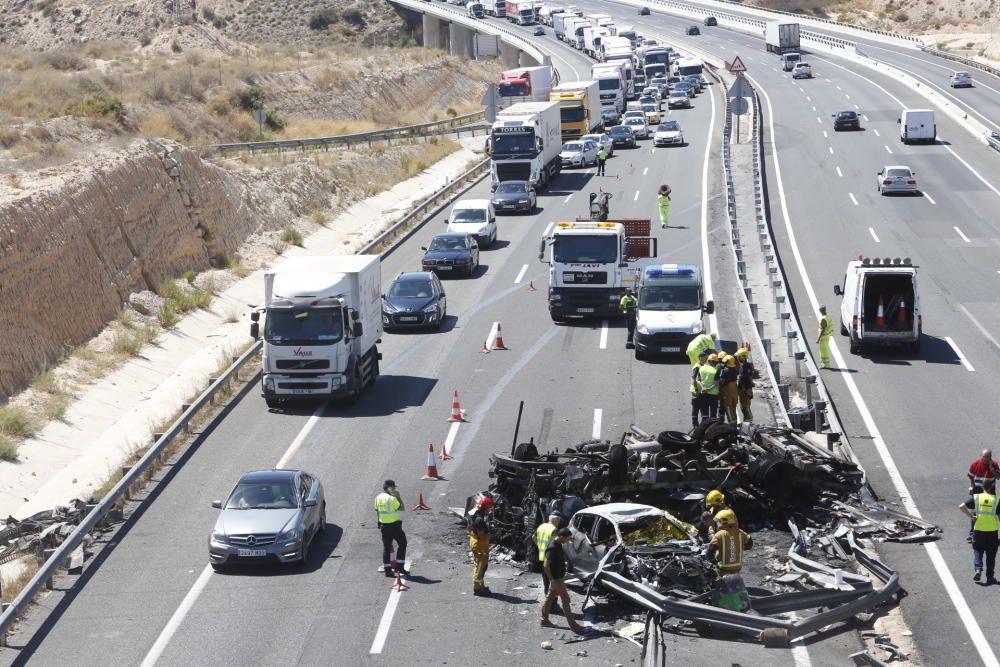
[
  {"x": 896, "y": 178},
  {"x": 578, "y": 153},
  {"x": 961, "y": 80},
  {"x": 476, "y": 217},
  {"x": 678, "y": 100},
  {"x": 802, "y": 71},
  {"x": 638, "y": 125},
  {"x": 602, "y": 140},
  {"x": 669, "y": 133},
  {"x": 650, "y": 91},
  {"x": 660, "y": 83}
]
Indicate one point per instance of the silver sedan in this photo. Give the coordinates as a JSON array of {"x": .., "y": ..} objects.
[{"x": 897, "y": 178}]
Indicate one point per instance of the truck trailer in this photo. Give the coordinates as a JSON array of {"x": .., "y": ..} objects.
[
  {"x": 525, "y": 143},
  {"x": 781, "y": 37},
  {"x": 520, "y": 13},
  {"x": 322, "y": 321},
  {"x": 580, "y": 107},
  {"x": 526, "y": 84}
]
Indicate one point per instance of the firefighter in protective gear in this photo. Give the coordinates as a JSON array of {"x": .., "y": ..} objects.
[
  {"x": 825, "y": 333},
  {"x": 728, "y": 543},
  {"x": 728, "y": 391},
  {"x": 388, "y": 505},
  {"x": 744, "y": 382},
  {"x": 479, "y": 544},
  {"x": 982, "y": 507},
  {"x": 701, "y": 343},
  {"x": 663, "y": 200},
  {"x": 543, "y": 538},
  {"x": 628, "y": 304},
  {"x": 707, "y": 383},
  {"x": 699, "y": 407},
  {"x": 715, "y": 502}
]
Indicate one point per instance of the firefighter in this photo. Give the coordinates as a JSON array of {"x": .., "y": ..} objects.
[
  {"x": 728, "y": 390},
  {"x": 628, "y": 304},
  {"x": 388, "y": 505},
  {"x": 479, "y": 543},
  {"x": 728, "y": 543},
  {"x": 715, "y": 502},
  {"x": 744, "y": 382}
]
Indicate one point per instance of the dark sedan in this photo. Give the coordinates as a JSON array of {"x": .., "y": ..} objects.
[
  {"x": 644, "y": 11},
  {"x": 414, "y": 299},
  {"x": 621, "y": 136},
  {"x": 514, "y": 196},
  {"x": 710, "y": 21},
  {"x": 692, "y": 30},
  {"x": 451, "y": 252},
  {"x": 846, "y": 120},
  {"x": 610, "y": 116},
  {"x": 687, "y": 87}
]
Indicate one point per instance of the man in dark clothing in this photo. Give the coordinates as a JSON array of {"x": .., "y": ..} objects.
[
  {"x": 982, "y": 509},
  {"x": 555, "y": 570},
  {"x": 627, "y": 305},
  {"x": 602, "y": 157}
]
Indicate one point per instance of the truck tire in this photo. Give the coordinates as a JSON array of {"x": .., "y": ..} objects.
[
  {"x": 525, "y": 451},
  {"x": 617, "y": 464}
]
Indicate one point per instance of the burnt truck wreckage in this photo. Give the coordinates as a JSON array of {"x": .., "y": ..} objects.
[{"x": 634, "y": 508}]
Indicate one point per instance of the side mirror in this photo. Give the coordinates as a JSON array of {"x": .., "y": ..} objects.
[
  {"x": 217, "y": 504},
  {"x": 255, "y": 316},
  {"x": 255, "y": 330},
  {"x": 423, "y": 247},
  {"x": 309, "y": 502},
  {"x": 541, "y": 251},
  {"x": 357, "y": 330},
  {"x": 445, "y": 221},
  {"x": 898, "y": 121},
  {"x": 354, "y": 315},
  {"x": 837, "y": 291},
  {"x": 709, "y": 307}
]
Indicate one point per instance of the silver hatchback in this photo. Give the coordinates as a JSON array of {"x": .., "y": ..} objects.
[{"x": 271, "y": 516}]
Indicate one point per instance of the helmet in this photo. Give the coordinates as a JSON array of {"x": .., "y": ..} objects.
[
  {"x": 730, "y": 361},
  {"x": 664, "y": 189},
  {"x": 388, "y": 484},
  {"x": 715, "y": 498},
  {"x": 742, "y": 354},
  {"x": 822, "y": 308},
  {"x": 485, "y": 504},
  {"x": 712, "y": 358},
  {"x": 726, "y": 518}
]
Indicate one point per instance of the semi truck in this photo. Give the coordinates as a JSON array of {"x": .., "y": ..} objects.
[
  {"x": 591, "y": 263},
  {"x": 521, "y": 13},
  {"x": 781, "y": 37},
  {"x": 497, "y": 8},
  {"x": 576, "y": 41},
  {"x": 655, "y": 61},
  {"x": 475, "y": 10},
  {"x": 881, "y": 303},
  {"x": 688, "y": 67},
  {"x": 559, "y": 22},
  {"x": 601, "y": 19},
  {"x": 611, "y": 83},
  {"x": 525, "y": 143},
  {"x": 526, "y": 84},
  {"x": 579, "y": 106},
  {"x": 592, "y": 40},
  {"x": 546, "y": 13},
  {"x": 322, "y": 321},
  {"x": 671, "y": 309},
  {"x": 628, "y": 32}
]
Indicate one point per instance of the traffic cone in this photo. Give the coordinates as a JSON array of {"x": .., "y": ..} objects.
[
  {"x": 485, "y": 350},
  {"x": 498, "y": 345},
  {"x": 531, "y": 286},
  {"x": 457, "y": 415},
  {"x": 398, "y": 585},
  {"x": 444, "y": 455},
  {"x": 903, "y": 317},
  {"x": 421, "y": 505},
  {"x": 880, "y": 316},
  {"x": 432, "y": 471}
]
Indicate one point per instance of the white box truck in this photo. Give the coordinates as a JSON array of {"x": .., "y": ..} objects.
[
  {"x": 559, "y": 22},
  {"x": 322, "y": 320},
  {"x": 916, "y": 126},
  {"x": 781, "y": 37},
  {"x": 592, "y": 37},
  {"x": 524, "y": 144},
  {"x": 881, "y": 304}
]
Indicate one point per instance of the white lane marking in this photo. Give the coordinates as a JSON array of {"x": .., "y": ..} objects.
[
  {"x": 548, "y": 229},
  {"x": 876, "y": 132},
  {"x": 974, "y": 172},
  {"x": 636, "y": 197},
  {"x": 645, "y": 171},
  {"x": 814, "y": 108},
  {"x": 713, "y": 320},
  {"x": 568, "y": 196},
  {"x": 596, "y": 430},
  {"x": 830, "y": 148},
  {"x": 933, "y": 552},
  {"x": 839, "y": 172},
  {"x": 865, "y": 117},
  {"x": 491, "y": 338},
  {"x": 800, "y": 655},
  {"x": 818, "y": 119},
  {"x": 964, "y": 237},
  {"x": 847, "y": 96},
  {"x": 929, "y": 198},
  {"x": 175, "y": 621},
  {"x": 825, "y": 135},
  {"x": 449, "y": 441},
  {"x": 853, "y": 199},
  {"x": 874, "y": 235},
  {"x": 296, "y": 445},
  {"x": 604, "y": 335},
  {"x": 775, "y": 69},
  {"x": 520, "y": 274},
  {"x": 808, "y": 99},
  {"x": 856, "y": 107},
  {"x": 961, "y": 357},
  {"x": 887, "y": 149},
  {"x": 839, "y": 88},
  {"x": 383, "y": 625},
  {"x": 979, "y": 326}
]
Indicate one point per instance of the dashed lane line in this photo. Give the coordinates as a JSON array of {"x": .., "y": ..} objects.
[
  {"x": 958, "y": 352},
  {"x": 520, "y": 274}
]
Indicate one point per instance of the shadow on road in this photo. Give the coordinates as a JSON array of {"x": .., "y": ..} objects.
[{"x": 320, "y": 551}]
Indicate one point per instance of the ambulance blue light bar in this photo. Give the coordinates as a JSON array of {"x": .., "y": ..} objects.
[{"x": 669, "y": 270}]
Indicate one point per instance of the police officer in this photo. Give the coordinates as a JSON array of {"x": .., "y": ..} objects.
[
  {"x": 602, "y": 157},
  {"x": 982, "y": 507},
  {"x": 825, "y": 334},
  {"x": 388, "y": 505},
  {"x": 628, "y": 305}
]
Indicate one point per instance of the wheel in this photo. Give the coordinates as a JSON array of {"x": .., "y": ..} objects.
[
  {"x": 843, "y": 329},
  {"x": 855, "y": 346},
  {"x": 358, "y": 385},
  {"x": 217, "y": 567},
  {"x": 639, "y": 355},
  {"x": 273, "y": 403}
]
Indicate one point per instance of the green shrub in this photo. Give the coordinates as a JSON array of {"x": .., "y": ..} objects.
[
  {"x": 102, "y": 104},
  {"x": 168, "y": 315},
  {"x": 8, "y": 449},
  {"x": 354, "y": 17},
  {"x": 291, "y": 236},
  {"x": 322, "y": 19},
  {"x": 901, "y": 17},
  {"x": 127, "y": 343},
  {"x": 14, "y": 421},
  {"x": 273, "y": 121},
  {"x": 190, "y": 276},
  {"x": 249, "y": 98},
  {"x": 175, "y": 47}
]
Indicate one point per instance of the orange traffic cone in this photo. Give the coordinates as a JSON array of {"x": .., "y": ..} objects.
[
  {"x": 498, "y": 345},
  {"x": 456, "y": 407},
  {"x": 880, "y": 315},
  {"x": 531, "y": 286},
  {"x": 903, "y": 317},
  {"x": 432, "y": 471},
  {"x": 421, "y": 505},
  {"x": 398, "y": 585}
]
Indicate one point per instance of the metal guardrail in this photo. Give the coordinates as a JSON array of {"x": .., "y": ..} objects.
[
  {"x": 971, "y": 62},
  {"x": 61, "y": 555},
  {"x": 458, "y": 123}
]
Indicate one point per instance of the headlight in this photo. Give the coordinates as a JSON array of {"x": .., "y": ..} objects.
[
  {"x": 385, "y": 319},
  {"x": 219, "y": 537},
  {"x": 288, "y": 535},
  {"x": 554, "y": 296},
  {"x": 495, "y": 202},
  {"x": 522, "y": 201},
  {"x": 643, "y": 329},
  {"x": 388, "y": 308},
  {"x": 269, "y": 384},
  {"x": 431, "y": 308},
  {"x": 697, "y": 328}
]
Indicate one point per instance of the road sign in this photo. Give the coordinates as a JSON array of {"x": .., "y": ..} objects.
[
  {"x": 490, "y": 103},
  {"x": 739, "y": 89},
  {"x": 738, "y": 107},
  {"x": 260, "y": 116},
  {"x": 737, "y": 66}
]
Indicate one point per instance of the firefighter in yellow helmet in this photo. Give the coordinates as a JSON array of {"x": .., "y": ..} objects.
[
  {"x": 715, "y": 502},
  {"x": 728, "y": 543},
  {"x": 744, "y": 382},
  {"x": 728, "y": 391}
]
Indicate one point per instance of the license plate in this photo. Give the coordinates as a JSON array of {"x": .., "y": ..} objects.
[
  {"x": 300, "y": 391},
  {"x": 444, "y": 268},
  {"x": 584, "y": 310},
  {"x": 670, "y": 349},
  {"x": 408, "y": 319},
  {"x": 251, "y": 552}
]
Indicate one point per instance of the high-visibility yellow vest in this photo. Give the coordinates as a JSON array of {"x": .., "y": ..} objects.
[
  {"x": 387, "y": 507},
  {"x": 709, "y": 383},
  {"x": 828, "y": 328},
  {"x": 986, "y": 512},
  {"x": 694, "y": 389},
  {"x": 543, "y": 538}
]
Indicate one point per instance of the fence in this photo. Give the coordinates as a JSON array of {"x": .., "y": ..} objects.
[{"x": 971, "y": 62}]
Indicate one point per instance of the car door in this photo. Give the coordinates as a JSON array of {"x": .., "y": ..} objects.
[
  {"x": 579, "y": 550},
  {"x": 532, "y": 197},
  {"x": 308, "y": 518},
  {"x": 440, "y": 294},
  {"x": 879, "y": 178}
]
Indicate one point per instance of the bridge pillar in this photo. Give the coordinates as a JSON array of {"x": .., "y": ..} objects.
[
  {"x": 432, "y": 31},
  {"x": 460, "y": 39},
  {"x": 510, "y": 55}
]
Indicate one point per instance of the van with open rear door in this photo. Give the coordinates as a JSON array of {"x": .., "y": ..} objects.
[{"x": 881, "y": 303}]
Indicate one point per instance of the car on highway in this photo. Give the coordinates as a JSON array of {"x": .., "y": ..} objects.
[
  {"x": 686, "y": 87},
  {"x": 644, "y": 11},
  {"x": 575, "y": 11},
  {"x": 538, "y": 31},
  {"x": 646, "y": 99},
  {"x": 639, "y": 126},
  {"x": 649, "y": 94},
  {"x": 450, "y": 253},
  {"x": 802, "y": 71},
  {"x": 960, "y": 80},
  {"x": 622, "y": 135},
  {"x": 610, "y": 116},
  {"x": 415, "y": 299},
  {"x": 696, "y": 80},
  {"x": 661, "y": 84},
  {"x": 710, "y": 21},
  {"x": 578, "y": 153},
  {"x": 270, "y": 516},
  {"x": 846, "y": 120},
  {"x": 896, "y": 178},
  {"x": 692, "y": 30},
  {"x": 678, "y": 100},
  {"x": 668, "y": 133},
  {"x": 476, "y": 217},
  {"x": 602, "y": 139},
  {"x": 652, "y": 112},
  {"x": 514, "y": 196}
]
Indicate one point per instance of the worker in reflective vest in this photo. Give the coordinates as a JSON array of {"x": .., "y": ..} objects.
[
  {"x": 981, "y": 469},
  {"x": 728, "y": 543},
  {"x": 543, "y": 538},
  {"x": 663, "y": 201},
  {"x": 983, "y": 508},
  {"x": 708, "y": 385},
  {"x": 700, "y": 343},
  {"x": 825, "y": 334},
  {"x": 388, "y": 505},
  {"x": 699, "y": 405}
]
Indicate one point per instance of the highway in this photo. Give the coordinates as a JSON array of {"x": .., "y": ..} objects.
[{"x": 915, "y": 421}]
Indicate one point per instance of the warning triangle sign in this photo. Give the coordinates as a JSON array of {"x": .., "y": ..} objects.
[{"x": 737, "y": 66}]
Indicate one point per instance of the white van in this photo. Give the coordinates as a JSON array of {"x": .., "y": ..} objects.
[
  {"x": 789, "y": 60},
  {"x": 476, "y": 217},
  {"x": 671, "y": 310},
  {"x": 916, "y": 125},
  {"x": 881, "y": 304}
]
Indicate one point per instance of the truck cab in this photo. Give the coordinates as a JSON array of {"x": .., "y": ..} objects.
[
  {"x": 671, "y": 309},
  {"x": 790, "y": 60},
  {"x": 475, "y": 10},
  {"x": 881, "y": 303}
]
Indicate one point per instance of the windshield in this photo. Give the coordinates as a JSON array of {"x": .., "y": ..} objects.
[
  {"x": 468, "y": 215},
  {"x": 678, "y": 94},
  {"x": 653, "y": 70},
  {"x": 659, "y": 81},
  {"x": 572, "y": 147},
  {"x": 514, "y": 144},
  {"x": 672, "y": 297},
  {"x": 447, "y": 243},
  {"x": 618, "y": 131},
  {"x": 649, "y": 107},
  {"x": 511, "y": 186},
  {"x": 610, "y": 84},
  {"x": 661, "y": 57},
  {"x": 572, "y": 114},
  {"x": 586, "y": 249},
  {"x": 897, "y": 173},
  {"x": 669, "y": 126},
  {"x": 319, "y": 326},
  {"x": 634, "y": 121},
  {"x": 846, "y": 114},
  {"x": 276, "y": 495},
  {"x": 411, "y": 289},
  {"x": 513, "y": 89}
]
